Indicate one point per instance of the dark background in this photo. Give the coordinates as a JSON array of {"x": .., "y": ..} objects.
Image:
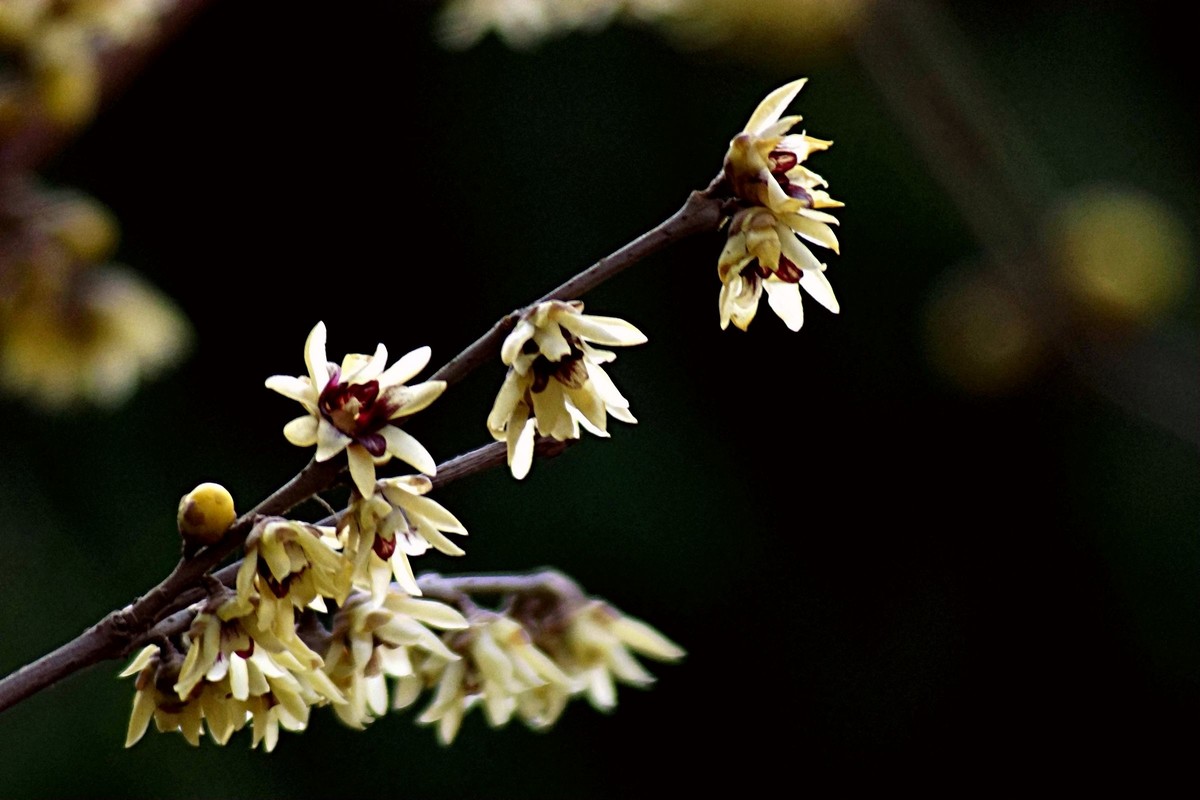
[{"x": 880, "y": 577}]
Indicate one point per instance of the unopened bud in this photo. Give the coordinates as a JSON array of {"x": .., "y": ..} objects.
[{"x": 205, "y": 513}]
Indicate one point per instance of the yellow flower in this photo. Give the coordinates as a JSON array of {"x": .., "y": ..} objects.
[
  {"x": 555, "y": 382},
  {"x": 499, "y": 669},
  {"x": 289, "y": 565},
  {"x": 763, "y": 163},
  {"x": 598, "y": 642},
  {"x": 782, "y": 199},
  {"x": 350, "y": 407},
  {"x": 763, "y": 253},
  {"x": 380, "y": 533},
  {"x": 371, "y": 641}
]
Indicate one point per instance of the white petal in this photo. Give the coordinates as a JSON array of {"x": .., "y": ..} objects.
[
  {"x": 370, "y": 369},
  {"x": 551, "y": 342},
  {"x": 302, "y": 431},
  {"x": 602, "y": 330},
  {"x": 814, "y": 231},
  {"x": 412, "y": 399},
  {"x": 520, "y": 447},
  {"x": 795, "y": 251},
  {"x": 362, "y": 469},
  {"x": 784, "y": 299},
  {"x": 330, "y": 441},
  {"x": 516, "y": 340},
  {"x": 404, "y": 446},
  {"x": 817, "y": 285},
  {"x": 435, "y": 514},
  {"x": 406, "y": 368},
  {"x": 299, "y": 389},
  {"x": 772, "y": 106},
  {"x": 314, "y": 357},
  {"x": 506, "y": 401}
]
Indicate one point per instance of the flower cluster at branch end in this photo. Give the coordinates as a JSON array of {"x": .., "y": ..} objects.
[
  {"x": 531, "y": 660},
  {"x": 351, "y": 408},
  {"x": 556, "y": 382},
  {"x": 781, "y": 200}
]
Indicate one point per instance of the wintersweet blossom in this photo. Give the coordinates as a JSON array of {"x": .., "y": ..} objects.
[
  {"x": 380, "y": 533},
  {"x": 762, "y": 253},
  {"x": 350, "y": 407},
  {"x": 555, "y": 382},
  {"x": 290, "y": 565},
  {"x": 764, "y": 161},
  {"x": 372, "y": 641},
  {"x": 269, "y": 690},
  {"x": 500, "y": 665},
  {"x": 782, "y": 200},
  {"x": 598, "y": 640}
]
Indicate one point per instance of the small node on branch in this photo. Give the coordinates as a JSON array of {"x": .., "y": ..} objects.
[{"x": 205, "y": 514}]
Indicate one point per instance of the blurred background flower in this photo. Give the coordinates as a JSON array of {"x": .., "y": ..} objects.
[{"x": 950, "y": 532}]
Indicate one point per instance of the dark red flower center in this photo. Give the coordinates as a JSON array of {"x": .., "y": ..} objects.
[
  {"x": 357, "y": 410},
  {"x": 781, "y": 161}
]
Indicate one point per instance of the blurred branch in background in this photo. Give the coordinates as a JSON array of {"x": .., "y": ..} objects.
[{"x": 1089, "y": 275}]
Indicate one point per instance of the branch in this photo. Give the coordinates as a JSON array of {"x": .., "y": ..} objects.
[
  {"x": 110, "y": 637},
  {"x": 703, "y": 211},
  {"x": 164, "y": 607}
]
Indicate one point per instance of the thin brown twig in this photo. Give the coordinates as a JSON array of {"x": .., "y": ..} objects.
[{"x": 117, "y": 633}]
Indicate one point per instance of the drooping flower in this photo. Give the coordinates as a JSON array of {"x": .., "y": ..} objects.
[
  {"x": 350, "y": 407},
  {"x": 380, "y": 533},
  {"x": 764, "y": 161},
  {"x": 781, "y": 200},
  {"x": 762, "y": 253},
  {"x": 373, "y": 641},
  {"x": 598, "y": 642},
  {"x": 500, "y": 665},
  {"x": 289, "y": 565},
  {"x": 555, "y": 382}
]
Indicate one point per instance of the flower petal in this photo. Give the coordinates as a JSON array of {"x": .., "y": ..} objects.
[
  {"x": 520, "y": 443},
  {"x": 406, "y": 368},
  {"x": 330, "y": 441},
  {"x": 314, "y": 356},
  {"x": 404, "y": 446},
  {"x": 817, "y": 285},
  {"x": 412, "y": 399},
  {"x": 784, "y": 299},
  {"x": 302, "y": 431},
  {"x": 772, "y": 106},
  {"x": 610, "y": 331},
  {"x": 362, "y": 469},
  {"x": 299, "y": 389}
]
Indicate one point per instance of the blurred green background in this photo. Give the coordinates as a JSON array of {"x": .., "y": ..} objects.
[{"x": 936, "y": 536}]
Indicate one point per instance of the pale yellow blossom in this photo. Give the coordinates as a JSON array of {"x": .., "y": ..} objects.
[
  {"x": 351, "y": 407},
  {"x": 556, "y": 382},
  {"x": 380, "y": 533},
  {"x": 782, "y": 200},
  {"x": 289, "y": 565},
  {"x": 374, "y": 641}
]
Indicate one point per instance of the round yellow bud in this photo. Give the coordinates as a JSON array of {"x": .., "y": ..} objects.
[{"x": 205, "y": 513}]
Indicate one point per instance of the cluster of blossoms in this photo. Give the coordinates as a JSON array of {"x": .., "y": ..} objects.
[
  {"x": 335, "y": 616},
  {"x": 75, "y": 328},
  {"x": 780, "y": 199},
  {"x": 261, "y": 654}
]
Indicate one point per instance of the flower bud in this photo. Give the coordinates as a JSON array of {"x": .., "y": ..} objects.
[{"x": 205, "y": 513}]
